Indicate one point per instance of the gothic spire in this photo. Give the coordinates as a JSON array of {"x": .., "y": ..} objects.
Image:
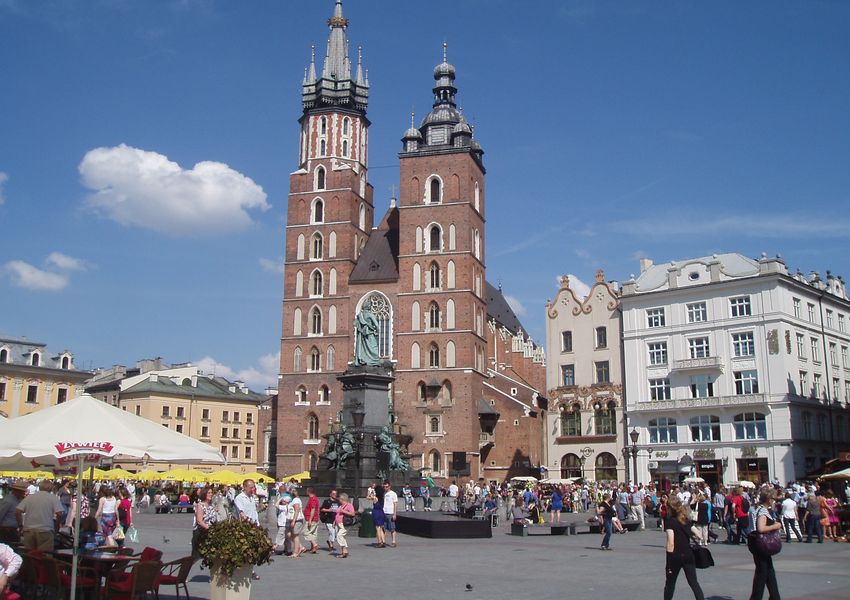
[{"x": 337, "y": 64}]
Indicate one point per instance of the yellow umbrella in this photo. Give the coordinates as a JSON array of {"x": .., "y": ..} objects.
[
  {"x": 299, "y": 477},
  {"x": 189, "y": 475},
  {"x": 96, "y": 474},
  {"x": 147, "y": 475},
  {"x": 257, "y": 476},
  {"x": 116, "y": 474},
  {"x": 225, "y": 476},
  {"x": 28, "y": 474}
]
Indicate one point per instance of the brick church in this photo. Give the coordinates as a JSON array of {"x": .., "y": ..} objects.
[{"x": 469, "y": 383}]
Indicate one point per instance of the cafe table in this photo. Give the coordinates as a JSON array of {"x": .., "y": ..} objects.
[{"x": 101, "y": 562}]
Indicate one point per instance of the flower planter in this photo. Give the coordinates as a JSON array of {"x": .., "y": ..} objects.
[{"x": 237, "y": 587}]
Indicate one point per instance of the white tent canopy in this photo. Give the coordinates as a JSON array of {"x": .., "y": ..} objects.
[
  {"x": 85, "y": 430},
  {"x": 843, "y": 474}
]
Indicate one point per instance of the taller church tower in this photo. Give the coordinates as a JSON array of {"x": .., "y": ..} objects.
[{"x": 329, "y": 218}]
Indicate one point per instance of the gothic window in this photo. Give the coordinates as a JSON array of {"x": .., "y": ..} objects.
[
  {"x": 299, "y": 283},
  {"x": 345, "y": 125},
  {"x": 434, "y": 316},
  {"x": 332, "y": 245},
  {"x": 316, "y": 283},
  {"x": 434, "y": 191},
  {"x": 296, "y": 322},
  {"x": 417, "y": 277},
  {"x": 316, "y": 321},
  {"x": 450, "y": 314},
  {"x": 332, "y": 283},
  {"x": 452, "y": 237},
  {"x": 421, "y": 396},
  {"x": 362, "y": 216},
  {"x": 477, "y": 197},
  {"x": 446, "y": 392},
  {"x": 331, "y": 361},
  {"x": 332, "y": 319},
  {"x": 299, "y": 248},
  {"x": 434, "y": 272},
  {"x": 415, "y": 317},
  {"x": 450, "y": 353},
  {"x": 320, "y": 178},
  {"x": 296, "y": 359},
  {"x": 300, "y": 396},
  {"x": 315, "y": 360},
  {"x": 313, "y": 460},
  {"x": 418, "y": 241},
  {"x": 435, "y": 239},
  {"x": 316, "y": 246},
  {"x": 312, "y": 427},
  {"x": 450, "y": 275},
  {"x": 414, "y": 356},
  {"x": 434, "y": 356},
  {"x": 345, "y": 148},
  {"x": 323, "y": 126},
  {"x": 379, "y": 306},
  {"x": 436, "y": 463},
  {"x": 318, "y": 211},
  {"x": 323, "y": 146},
  {"x": 476, "y": 244}
]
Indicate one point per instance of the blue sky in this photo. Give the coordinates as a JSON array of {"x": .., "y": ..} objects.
[{"x": 145, "y": 149}]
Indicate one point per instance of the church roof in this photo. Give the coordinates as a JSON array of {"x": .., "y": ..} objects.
[
  {"x": 500, "y": 311},
  {"x": 379, "y": 259}
]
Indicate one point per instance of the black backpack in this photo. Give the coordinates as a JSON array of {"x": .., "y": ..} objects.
[{"x": 745, "y": 504}]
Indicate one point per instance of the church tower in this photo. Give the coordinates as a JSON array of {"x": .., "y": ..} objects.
[
  {"x": 442, "y": 309},
  {"x": 329, "y": 218}
]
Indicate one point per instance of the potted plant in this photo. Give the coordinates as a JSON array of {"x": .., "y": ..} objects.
[{"x": 231, "y": 549}]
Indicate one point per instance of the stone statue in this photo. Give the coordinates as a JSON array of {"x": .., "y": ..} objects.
[
  {"x": 385, "y": 443},
  {"x": 346, "y": 447},
  {"x": 366, "y": 347},
  {"x": 330, "y": 453}
]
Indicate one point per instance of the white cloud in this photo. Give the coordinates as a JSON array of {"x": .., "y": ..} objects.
[
  {"x": 145, "y": 189},
  {"x": 516, "y": 305},
  {"x": 273, "y": 266},
  {"x": 65, "y": 262},
  {"x": 4, "y": 177},
  {"x": 578, "y": 286},
  {"x": 258, "y": 377},
  {"x": 24, "y": 275}
]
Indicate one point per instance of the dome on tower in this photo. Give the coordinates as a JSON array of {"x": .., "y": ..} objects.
[
  {"x": 412, "y": 134},
  {"x": 444, "y": 69}
]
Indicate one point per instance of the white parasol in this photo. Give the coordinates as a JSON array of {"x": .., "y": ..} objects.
[
  {"x": 746, "y": 484},
  {"x": 843, "y": 474},
  {"x": 558, "y": 481},
  {"x": 693, "y": 480},
  {"x": 525, "y": 479},
  {"x": 78, "y": 433}
]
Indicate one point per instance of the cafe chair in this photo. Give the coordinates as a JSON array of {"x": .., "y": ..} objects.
[
  {"x": 148, "y": 554},
  {"x": 60, "y": 571},
  {"x": 140, "y": 581},
  {"x": 176, "y": 573}
]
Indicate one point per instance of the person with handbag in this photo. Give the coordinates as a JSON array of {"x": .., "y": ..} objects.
[
  {"x": 813, "y": 517},
  {"x": 763, "y": 546},
  {"x": 680, "y": 556},
  {"x": 344, "y": 517}
]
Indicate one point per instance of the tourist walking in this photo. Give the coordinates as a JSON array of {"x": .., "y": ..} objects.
[
  {"x": 829, "y": 520},
  {"x": 791, "y": 518},
  {"x": 327, "y": 514},
  {"x": 346, "y": 510},
  {"x": 813, "y": 517},
  {"x": 311, "y": 521},
  {"x": 764, "y": 575},
  {"x": 38, "y": 515},
  {"x": 680, "y": 557},
  {"x": 408, "y": 498},
  {"x": 295, "y": 524},
  {"x": 205, "y": 515},
  {"x": 557, "y": 506},
  {"x": 606, "y": 513},
  {"x": 390, "y": 511},
  {"x": 107, "y": 511},
  {"x": 376, "y": 496},
  {"x": 425, "y": 494}
]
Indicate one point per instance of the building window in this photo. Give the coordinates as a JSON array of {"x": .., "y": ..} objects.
[
  {"x": 845, "y": 357},
  {"x": 699, "y": 347},
  {"x": 296, "y": 359},
  {"x": 434, "y": 427},
  {"x": 606, "y": 467},
  {"x": 223, "y": 451},
  {"x": 248, "y": 452},
  {"x": 434, "y": 272},
  {"x": 566, "y": 341},
  {"x": 705, "y": 428},
  {"x": 315, "y": 360},
  {"x": 702, "y": 386},
  {"x": 750, "y": 426},
  {"x": 746, "y": 382},
  {"x": 179, "y": 428},
  {"x": 743, "y": 344},
  {"x": 435, "y": 462},
  {"x": 822, "y": 427},
  {"x": 316, "y": 246},
  {"x": 817, "y": 387},
  {"x": 568, "y": 375},
  {"x": 237, "y": 417},
  {"x": 313, "y": 427},
  {"x": 434, "y": 316},
  {"x": 180, "y": 412},
  {"x": 663, "y": 431},
  {"x": 249, "y": 434},
  {"x": 225, "y": 433},
  {"x": 659, "y": 389},
  {"x": 433, "y": 356},
  {"x": 829, "y": 321},
  {"x": 205, "y": 431},
  {"x": 61, "y": 395},
  {"x": 842, "y": 325},
  {"x": 320, "y": 178},
  {"x": 601, "y": 337},
  {"x": 4, "y": 355},
  {"x": 804, "y": 384},
  {"x": 301, "y": 395},
  {"x": 697, "y": 312},
  {"x": 331, "y": 360},
  {"x": 571, "y": 421},
  {"x": 234, "y": 452},
  {"x": 235, "y": 434},
  {"x": 316, "y": 285},
  {"x": 66, "y": 362},
  {"x": 605, "y": 419},
  {"x": 138, "y": 410},
  {"x": 225, "y": 415},
  {"x": 833, "y": 355},
  {"x": 655, "y": 317},
  {"x": 434, "y": 189},
  {"x": 603, "y": 374},
  {"x": 249, "y": 418},
  {"x": 740, "y": 306},
  {"x": 801, "y": 346},
  {"x": 316, "y": 321},
  {"x": 345, "y": 148},
  {"x": 205, "y": 414},
  {"x": 658, "y": 353},
  {"x": 811, "y": 312},
  {"x": 318, "y": 211},
  {"x": 815, "y": 346},
  {"x": 807, "y": 425},
  {"x": 435, "y": 239},
  {"x": 323, "y": 395},
  {"x": 323, "y": 126},
  {"x": 836, "y": 389},
  {"x": 166, "y": 411},
  {"x": 797, "y": 309}
]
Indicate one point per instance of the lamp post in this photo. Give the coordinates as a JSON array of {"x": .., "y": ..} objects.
[{"x": 633, "y": 436}]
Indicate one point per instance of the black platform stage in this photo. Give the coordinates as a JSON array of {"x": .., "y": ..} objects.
[{"x": 442, "y": 525}]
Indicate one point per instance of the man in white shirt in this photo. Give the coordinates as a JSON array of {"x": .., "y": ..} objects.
[
  {"x": 453, "y": 491},
  {"x": 246, "y": 503},
  {"x": 790, "y": 518},
  {"x": 390, "y": 510}
]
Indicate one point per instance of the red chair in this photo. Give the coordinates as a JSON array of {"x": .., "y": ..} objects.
[
  {"x": 146, "y": 555},
  {"x": 60, "y": 572},
  {"x": 176, "y": 573},
  {"x": 140, "y": 581}
]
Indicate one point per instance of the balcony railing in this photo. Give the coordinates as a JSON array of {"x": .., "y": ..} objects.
[
  {"x": 698, "y": 364},
  {"x": 710, "y": 402}
]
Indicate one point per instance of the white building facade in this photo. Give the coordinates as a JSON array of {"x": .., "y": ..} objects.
[{"x": 735, "y": 370}]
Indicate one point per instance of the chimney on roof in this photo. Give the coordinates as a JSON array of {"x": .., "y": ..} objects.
[{"x": 645, "y": 263}]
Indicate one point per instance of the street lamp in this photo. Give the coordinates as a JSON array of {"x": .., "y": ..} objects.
[{"x": 634, "y": 435}]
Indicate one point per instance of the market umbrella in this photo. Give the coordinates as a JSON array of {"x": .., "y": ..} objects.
[
  {"x": 75, "y": 434},
  {"x": 225, "y": 476},
  {"x": 147, "y": 475},
  {"x": 189, "y": 475},
  {"x": 526, "y": 479},
  {"x": 746, "y": 484},
  {"x": 843, "y": 474},
  {"x": 694, "y": 480},
  {"x": 298, "y": 477},
  {"x": 257, "y": 476},
  {"x": 117, "y": 474},
  {"x": 558, "y": 480}
]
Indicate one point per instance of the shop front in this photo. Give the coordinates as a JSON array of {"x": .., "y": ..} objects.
[
  {"x": 664, "y": 473},
  {"x": 753, "y": 469},
  {"x": 710, "y": 470}
]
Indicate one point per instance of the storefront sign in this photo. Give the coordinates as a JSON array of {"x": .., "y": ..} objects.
[{"x": 704, "y": 453}]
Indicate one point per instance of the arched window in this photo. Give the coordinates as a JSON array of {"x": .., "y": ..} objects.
[
  {"x": 315, "y": 360},
  {"x": 434, "y": 190},
  {"x": 331, "y": 362},
  {"x": 296, "y": 322},
  {"x": 415, "y": 317},
  {"x": 434, "y": 316},
  {"x": 318, "y": 211},
  {"x": 434, "y": 356},
  {"x": 750, "y": 426},
  {"x": 436, "y": 463},
  {"x": 316, "y": 283},
  {"x": 476, "y": 244},
  {"x": 345, "y": 148},
  {"x": 380, "y": 306},
  {"x": 435, "y": 239},
  {"x": 332, "y": 283},
  {"x": 452, "y": 237},
  {"x": 570, "y": 466},
  {"x": 316, "y": 246},
  {"x": 36, "y": 359},
  {"x": 345, "y": 125},
  {"x": 313, "y": 461},
  {"x": 450, "y": 353},
  {"x": 450, "y": 314},
  {"x": 66, "y": 362},
  {"x": 434, "y": 279},
  {"x": 417, "y": 277},
  {"x": 434, "y": 425},
  {"x": 296, "y": 359},
  {"x": 4, "y": 355},
  {"x": 299, "y": 248},
  {"x": 316, "y": 321},
  {"x": 301, "y": 395},
  {"x": 299, "y": 284},
  {"x": 421, "y": 395},
  {"x": 450, "y": 275},
  {"x": 320, "y": 178},
  {"x": 332, "y": 245},
  {"x": 414, "y": 356},
  {"x": 323, "y": 126},
  {"x": 605, "y": 419},
  {"x": 477, "y": 201},
  {"x": 323, "y": 146},
  {"x": 606, "y": 467},
  {"x": 418, "y": 240},
  {"x": 571, "y": 420},
  {"x": 312, "y": 427},
  {"x": 446, "y": 392},
  {"x": 362, "y": 217}
]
